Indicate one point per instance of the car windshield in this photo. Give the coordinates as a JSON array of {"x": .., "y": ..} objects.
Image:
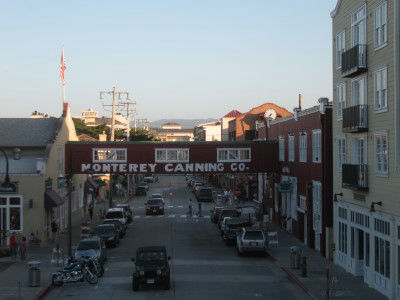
[
  {"x": 115, "y": 222},
  {"x": 156, "y": 196},
  {"x": 253, "y": 235},
  {"x": 151, "y": 256},
  {"x": 114, "y": 215},
  {"x": 86, "y": 245},
  {"x": 104, "y": 229},
  {"x": 206, "y": 192},
  {"x": 154, "y": 202}
]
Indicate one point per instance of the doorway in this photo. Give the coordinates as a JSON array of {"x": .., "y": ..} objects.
[
  {"x": 305, "y": 229},
  {"x": 3, "y": 226}
]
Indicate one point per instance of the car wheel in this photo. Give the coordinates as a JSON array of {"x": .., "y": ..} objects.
[
  {"x": 135, "y": 285},
  {"x": 240, "y": 253}
]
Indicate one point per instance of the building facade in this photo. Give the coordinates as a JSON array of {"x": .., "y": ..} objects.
[
  {"x": 208, "y": 132},
  {"x": 172, "y": 132},
  {"x": 366, "y": 152},
  {"x": 233, "y": 114}
]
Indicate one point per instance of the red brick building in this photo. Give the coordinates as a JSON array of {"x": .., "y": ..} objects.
[{"x": 299, "y": 196}]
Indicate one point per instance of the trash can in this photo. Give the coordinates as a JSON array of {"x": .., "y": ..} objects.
[
  {"x": 298, "y": 258},
  {"x": 34, "y": 273},
  {"x": 292, "y": 253}
]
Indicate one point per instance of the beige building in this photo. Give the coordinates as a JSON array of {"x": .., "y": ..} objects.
[
  {"x": 232, "y": 115},
  {"x": 208, "y": 132},
  {"x": 172, "y": 132},
  {"x": 366, "y": 152},
  {"x": 41, "y": 194}
]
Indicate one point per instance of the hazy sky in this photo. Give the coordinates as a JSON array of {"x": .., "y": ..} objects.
[{"x": 178, "y": 59}]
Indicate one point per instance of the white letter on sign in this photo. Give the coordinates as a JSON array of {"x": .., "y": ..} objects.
[
  {"x": 242, "y": 167},
  {"x": 85, "y": 167},
  {"x": 168, "y": 167},
  {"x": 234, "y": 167}
]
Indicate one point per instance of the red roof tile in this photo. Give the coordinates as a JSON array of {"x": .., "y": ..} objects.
[
  {"x": 86, "y": 138},
  {"x": 233, "y": 114}
]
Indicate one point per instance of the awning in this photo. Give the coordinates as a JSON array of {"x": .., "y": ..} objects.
[
  {"x": 52, "y": 199},
  {"x": 90, "y": 184}
]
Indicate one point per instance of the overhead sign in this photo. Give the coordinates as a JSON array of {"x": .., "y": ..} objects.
[
  {"x": 7, "y": 188},
  {"x": 173, "y": 158},
  {"x": 285, "y": 186}
]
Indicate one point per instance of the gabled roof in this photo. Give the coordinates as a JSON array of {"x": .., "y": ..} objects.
[
  {"x": 333, "y": 13},
  {"x": 86, "y": 138},
  {"x": 27, "y": 132},
  {"x": 232, "y": 114}
]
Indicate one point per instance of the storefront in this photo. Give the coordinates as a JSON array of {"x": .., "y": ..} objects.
[{"x": 11, "y": 215}]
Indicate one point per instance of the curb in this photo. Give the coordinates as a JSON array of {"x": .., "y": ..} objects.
[
  {"x": 295, "y": 279},
  {"x": 43, "y": 293}
]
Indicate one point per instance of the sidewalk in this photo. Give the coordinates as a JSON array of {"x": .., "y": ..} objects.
[
  {"x": 346, "y": 286},
  {"x": 14, "y": 276}
]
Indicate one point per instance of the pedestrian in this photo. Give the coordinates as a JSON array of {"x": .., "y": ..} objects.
[
  {"x": 22, "y": 249},
  {"x": 190, "y": 208},
  {"x": 54, "y": 229},
  {"x": 199, "y": 206},
  {"x": 13, "y": 247},
  {"x": 90, "y": 209}
]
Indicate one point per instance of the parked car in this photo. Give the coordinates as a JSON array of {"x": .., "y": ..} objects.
[
  {"x": 227, "y": 212},
  {"x": 232, "y": 227},
  {"x": 127, "y": 209},
  {"x": 119, "y": 225},
  {"x": 145, "y": 185},
  {"x": 141, "y": 191},
  {"x": 158, "y": 196},
  {"x": 223, "y": 222},
  {"x": 148, "y": 178},
  {"x": 96, "y": 244},
  {"x": 151, "y": 267},
  {"x": 154, "y": 206},
  {"x": 108, "y": 233},
  {"x": 197, "y": 186},
  {"x": 204, "y": 194},
  {"x": 116, "y": 213},
  {"x": 251, "y": 240},
  {"x": 215, "y": 213}
]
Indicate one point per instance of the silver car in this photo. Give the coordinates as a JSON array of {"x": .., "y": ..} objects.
[{"x": 251, "y": 240}]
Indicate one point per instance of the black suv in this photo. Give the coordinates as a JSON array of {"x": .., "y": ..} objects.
[{"x": 151, "y": 267}]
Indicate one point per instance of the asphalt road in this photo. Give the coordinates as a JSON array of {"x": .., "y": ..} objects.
[{"x": 202, "y": 266}]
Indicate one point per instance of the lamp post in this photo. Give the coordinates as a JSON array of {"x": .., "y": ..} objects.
[{"x": 16, "y": 156}]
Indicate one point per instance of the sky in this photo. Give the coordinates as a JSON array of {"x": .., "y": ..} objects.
[{"x": 176, "y": 58}]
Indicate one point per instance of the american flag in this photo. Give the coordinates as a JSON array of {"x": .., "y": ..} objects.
[{"x": 62, "y": 67}]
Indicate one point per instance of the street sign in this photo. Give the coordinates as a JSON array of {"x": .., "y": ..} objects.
[
  {"x": 7, "y": 188},
  {"x": 285, "y": 186}
]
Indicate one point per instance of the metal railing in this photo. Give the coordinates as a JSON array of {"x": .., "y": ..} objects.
[
  {"x": 355, "y": 176},
  {"x": 355, "y": 118},
  {"x": 354, "y": 60}
]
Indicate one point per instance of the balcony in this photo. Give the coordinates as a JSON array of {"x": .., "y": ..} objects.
[
  {"x": 355, "y": 177},
  {"x": 355, "y": 118},
  {"x": 354, "y": 61}
]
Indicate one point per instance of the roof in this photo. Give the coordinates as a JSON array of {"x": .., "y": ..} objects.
[
  {"x": 86, "y": 138},
  {"x": 115, "y": 209},
  {"x": 333, "y": 13},
  {"x": 232, "y": 114},
  {"x": 28, "y": 132}
]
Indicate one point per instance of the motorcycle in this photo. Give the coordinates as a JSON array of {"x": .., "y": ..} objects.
[
  {"x": 85, "y": 230},
  {"x": 96, "y": 266},
  {"x": 76, "y": 271}
]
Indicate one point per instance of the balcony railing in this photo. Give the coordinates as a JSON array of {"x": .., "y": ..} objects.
[
  {"x": 355, "y": 177},
  {"x": 354, "y": 61},
  {"x": 355, "y": 118}
]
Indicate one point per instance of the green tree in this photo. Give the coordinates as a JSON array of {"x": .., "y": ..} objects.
[{"x": 140, "y": 135}]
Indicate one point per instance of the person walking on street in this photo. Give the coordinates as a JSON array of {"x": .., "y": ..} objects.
[
  {"x": 91, "y": 211},
  {"x": 13, "y": 247},
  {"x": 190, "y": 208},
  {"x": 199, "y": 206},
  {"x": 22, "y": 249},
  {"x": 54, "y": 229}
]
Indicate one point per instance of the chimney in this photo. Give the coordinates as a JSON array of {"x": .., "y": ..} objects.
[
  {"x": 300, "y": 101},
  {"x": 103, "y": 137},
  {"x": 323, "y": 102}
]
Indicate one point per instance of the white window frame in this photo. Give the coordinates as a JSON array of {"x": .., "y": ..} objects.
[
  {"x": 113, "y": 151},
  {"x": 381, "y": 154},
  {"x": 317, "y": 206},
  {"x": 341, "y": 99},
  {"x": 317, "y": 146},
  {"x": 340, "y": 47},
  {"x": 281, "y": 148},
  {"x": 341, "y": 151},
  {"x": 363, "y": 93},
  {"x": 356, "y": 149},
  {"x": 380, "y": 89},
  {"x": 8, "y": 206},
  {"x": 302, "y": 203},
  {"x": 357, "y": 17},
  {"x": 291, "y": 147},
  {"x": 380, "y": 25},
  {"x": 179, "y": 152},
  {"x": 228, "y": 155},
  {"x": 303, "y": 147}
]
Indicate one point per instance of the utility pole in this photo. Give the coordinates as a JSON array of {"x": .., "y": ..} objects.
[
  {"x": 144, "y": 122},
  {"x": 114, "y": 93},
  {"x": 128, "y": 116}
]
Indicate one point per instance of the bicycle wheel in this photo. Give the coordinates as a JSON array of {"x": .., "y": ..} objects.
[{"x": 91, "y": 277}]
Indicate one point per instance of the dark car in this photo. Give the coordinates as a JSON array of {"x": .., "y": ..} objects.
[
  {"x": 215, "y": 212},
  {"x": 119, "y": 225},
  {"x": 109, "y": 234},
  {"x": 154, "y": 207},
  {"x": 151, "y": 267},
  {"x": 141, "y": 191},
  {"x": 86, "y": 245},
  {"x": 233, "y": 213},
  {"x": 204, "y": 194},
  {"x": 232, "y": 227}
]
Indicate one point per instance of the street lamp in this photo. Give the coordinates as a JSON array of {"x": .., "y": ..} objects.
[{"x": 16, "y": 156}]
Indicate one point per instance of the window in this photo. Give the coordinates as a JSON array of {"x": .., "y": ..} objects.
[
  {"x": 11, "y": 213},
  {"x": 358, "y": 28},
  {"x": 358, "y": 91},
  {"x": 380, "y": 16},
  {"x": 381, "y": 153},
  {"x": 109, "y": 155},
  {"x": 302, "y": 203},
  {"x": 317, "y": 206},
  {"x": 359, "y": 150},
  {"x": 316, "y": 146},
  {"x": 382, "y": 257},
  {"x": 341, "y": 99},
  {"x": 303, "y": 147},
  {"x": 341, "y": 159},
  {"x": 281, "y": 148},
  {"x": 380, "y": 89},
  {"x": 343, "y": 237},
  {"x": 234, "y": 154},
  {"x": 291, "y": 147},
  {"x": 172, "y": 155},
  {"x": 340, "y": 48}
]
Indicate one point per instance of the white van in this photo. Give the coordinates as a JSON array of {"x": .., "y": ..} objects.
[{"x": 116, "y": 213}]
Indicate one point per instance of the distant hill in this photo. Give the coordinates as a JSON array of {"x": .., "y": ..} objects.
[{"x": 186, "y": 123}]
